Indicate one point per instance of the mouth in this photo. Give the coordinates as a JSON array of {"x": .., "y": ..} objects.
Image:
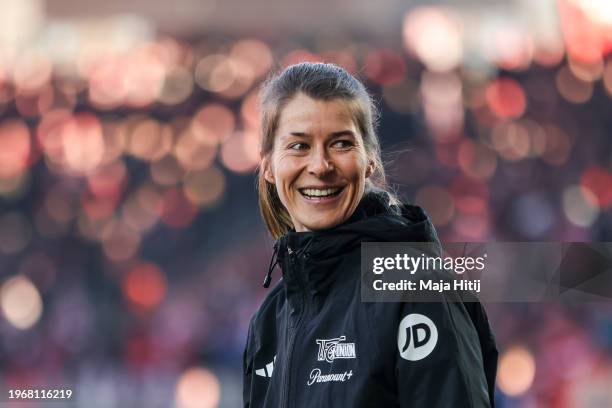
[{"x": 320, "y": 194}]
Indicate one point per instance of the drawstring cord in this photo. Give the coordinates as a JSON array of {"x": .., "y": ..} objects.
[{"x": 273, "y": 263}]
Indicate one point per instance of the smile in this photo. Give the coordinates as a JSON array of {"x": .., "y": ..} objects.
[{"x": 320, "y": 194}]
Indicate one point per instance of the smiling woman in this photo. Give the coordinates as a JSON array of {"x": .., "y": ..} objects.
[
  {"x": 322, "y": 192},
  {"x": 318, "y": 134}
]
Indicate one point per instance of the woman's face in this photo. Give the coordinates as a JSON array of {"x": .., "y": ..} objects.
[{"x": 318, "y": 163}]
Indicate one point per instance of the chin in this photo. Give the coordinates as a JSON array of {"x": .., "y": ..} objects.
[{"x": 322, "y": 224}]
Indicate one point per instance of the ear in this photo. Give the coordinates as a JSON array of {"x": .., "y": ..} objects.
[
  {"x": 267, "y": 170},
  {"x": 369, "y": 169}
]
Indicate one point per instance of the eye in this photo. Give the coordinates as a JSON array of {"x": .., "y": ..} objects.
[
  {"x": 343, "y": 143},
  {"x": 298, "y": 146}
]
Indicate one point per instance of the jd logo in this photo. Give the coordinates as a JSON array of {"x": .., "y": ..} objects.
[{"x": 416, "y": 337}]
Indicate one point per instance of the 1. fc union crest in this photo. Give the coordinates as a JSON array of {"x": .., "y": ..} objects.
[{"x": 331, "y": 349}]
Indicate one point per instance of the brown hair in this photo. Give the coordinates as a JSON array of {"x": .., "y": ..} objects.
[{"x": 318, "y": 81}]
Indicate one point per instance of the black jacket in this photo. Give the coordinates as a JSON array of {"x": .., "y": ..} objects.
[{"x": 313, "y": 343}]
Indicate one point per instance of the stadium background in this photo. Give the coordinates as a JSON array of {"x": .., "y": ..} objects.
[{"x": 131, "y": 247}]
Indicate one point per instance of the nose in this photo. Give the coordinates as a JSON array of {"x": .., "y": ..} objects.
[{"x": 320, "y": 163}]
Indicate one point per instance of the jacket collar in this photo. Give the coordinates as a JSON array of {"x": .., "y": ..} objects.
[{"x": 374, "y": 220}]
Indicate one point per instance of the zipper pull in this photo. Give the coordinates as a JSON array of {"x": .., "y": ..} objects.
[{"x": 292, "y": 254}]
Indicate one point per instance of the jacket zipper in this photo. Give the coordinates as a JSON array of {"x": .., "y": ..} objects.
[{"x": 287, "y": 369}]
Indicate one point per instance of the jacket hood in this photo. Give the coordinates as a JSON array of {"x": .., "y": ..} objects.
[{"x": 374, "y": 220}]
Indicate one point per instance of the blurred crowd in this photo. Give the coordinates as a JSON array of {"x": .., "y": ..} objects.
[{"x": 131, "y": 247}]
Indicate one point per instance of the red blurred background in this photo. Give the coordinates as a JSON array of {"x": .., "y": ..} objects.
[{"x": 131, "y": 248}]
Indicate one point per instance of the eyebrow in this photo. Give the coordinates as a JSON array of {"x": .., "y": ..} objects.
[{"x": 346, "y": 132}]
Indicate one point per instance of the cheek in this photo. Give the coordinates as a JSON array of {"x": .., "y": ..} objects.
[
  {"x": 286, "y": 170},
  {"x": 355, "y": 168}
]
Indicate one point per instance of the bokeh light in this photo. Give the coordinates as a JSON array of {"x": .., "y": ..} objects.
[
  {"x": 599, "y": 11},
  {"x": 195, "y": 151},
  {"x": 204, "y": 188},
  {"x": 15, "y": 148},
  {"x": 542, "y": 211},
  {"x": 143, "y": 75},
  {"x": 249, "y": 110},
  {"x": 142, "y": 208},
  {"x": 49, "y": 135},
  {"x": 243, "y": 79},
  {"x": 215, "y": 73},
  {"x": 511, "y": 141},
  {"x": 506, "y": 98},
  {"x": 549, "y": 53},
  {"x": 198, "y": 387},
  {"x": 558, "y": 146},
  {"x": 119, "y": 241},
  {"x": 167, "y": 171},
  {"x": 598, "y": 182},
  {"x": 240, "y": 153},
  {"x": 586, "y": 71},
  {"x": 98, "y": 206},
  {"x": 90, "y": 228},
  {"x": 145, "y": 286},
  {"x": 36, "y": 103},
  {"x": 108, "y": 180},
  {"x": 148, "y": 139},
  {"x": 116, "y": 135},
  {"x": 434, "y": 35},
  {"x": 516, "y": 371},
  {"x": 82, "y": 143},
  {"x": 442, "y": 95},
  {"x": 471, "y": 201},
  {"x": 31, "y": 71},
  {"x": 579, "y": 205},
  {"x": 213, "y": 123},
  {"x": 107, "y": 88},
  {"x": 254, "y": 53},
  {"x": 510, "y": 46},
  {"x": 476, "y": 160},
  {"x": 176, "y": 209},
  {"x": 20, "y": 302},
  {"x": 584, "y": 37},
  {"x": 177, "y": 87},
  {"x": 470, "y": 227},
  {"x": 573, "y": 89}
]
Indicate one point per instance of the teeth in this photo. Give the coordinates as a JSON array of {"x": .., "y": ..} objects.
[{"x": 319, "y": 192}]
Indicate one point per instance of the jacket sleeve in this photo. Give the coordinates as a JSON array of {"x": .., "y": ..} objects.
[
  {"x": 488, "y": 346},
  {"x": 439, "y": 359}
]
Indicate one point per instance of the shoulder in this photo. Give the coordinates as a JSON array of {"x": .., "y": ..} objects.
[{"x": 455, "y": 315}]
